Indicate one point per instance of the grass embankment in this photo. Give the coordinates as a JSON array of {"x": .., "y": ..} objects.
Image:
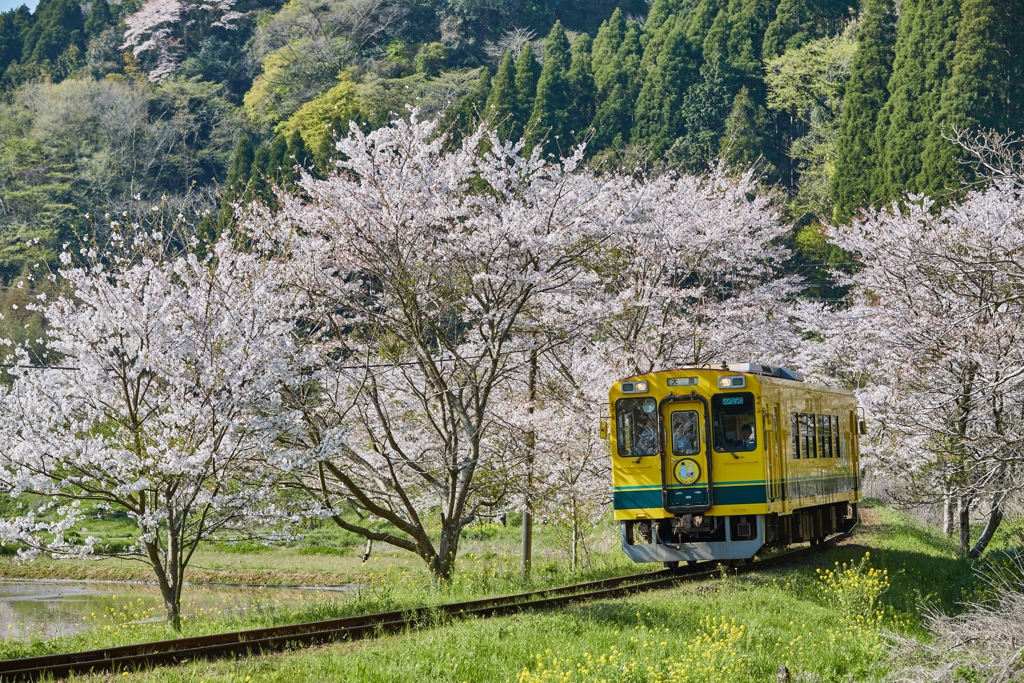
[{"x": 821, "y": 620}]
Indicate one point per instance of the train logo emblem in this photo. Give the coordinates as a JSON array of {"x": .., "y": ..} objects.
[{"x": 687, "y": 471}]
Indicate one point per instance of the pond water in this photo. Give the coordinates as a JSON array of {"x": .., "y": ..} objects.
[{"x": 46, "y": 609}]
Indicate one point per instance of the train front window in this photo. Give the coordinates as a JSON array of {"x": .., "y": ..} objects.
[
  {"x": 685, "y": 432},
  {"x": 636, "y": 425},
  {"x": 733, "y": 422}
]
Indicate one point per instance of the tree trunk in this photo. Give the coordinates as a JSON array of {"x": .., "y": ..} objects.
[
  {"x": 947, "y": 513},
  {"x": 166, "y": 581},
  {"x": 963, "y": 511},
  {"x": 995, "y": 516},
  {"x": 531, "y": 440}
]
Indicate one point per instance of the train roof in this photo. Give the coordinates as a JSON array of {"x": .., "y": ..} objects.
[{"x": 762, "y": 370}]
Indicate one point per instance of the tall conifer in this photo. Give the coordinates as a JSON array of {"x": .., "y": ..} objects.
[
  {"x": 659, "y": 108},
  {"x": 99, "y": 18},
  {"x": 926, "y": 35},
  {"x": 277, "y": 159},
  {"x": 660, "y": 12},
  {"x": 976, "y": 93},
  {"x": 527, "y": 75},
  {"x": 742, "y": 140},
  {"x": 582, "y": 92},
  {"x": 549, "y": 122},
  {"x": 702, "y": 19},
  {"x": 786, "y": 30},
  {"x": 502, "y": 104},
  {"x": 606, "y": 46},
  {"x": 866, "y": 94}
]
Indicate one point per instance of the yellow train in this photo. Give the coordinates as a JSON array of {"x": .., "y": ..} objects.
[{"x": 719, "y": 462}]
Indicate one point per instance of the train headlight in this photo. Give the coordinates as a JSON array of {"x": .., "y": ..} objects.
[
  {"x": 732, "y": 382},
  {"x": 634, "y": 387}
]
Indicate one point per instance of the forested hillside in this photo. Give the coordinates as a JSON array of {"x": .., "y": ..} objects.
[{"x": 186, "y": 106}]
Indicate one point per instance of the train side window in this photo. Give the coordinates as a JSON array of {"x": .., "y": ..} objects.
[
  {"x": 794, "y": 427},
  {"x": 825, "y": 435},
  {"x": 636, "y": 427},
  {"x": 733, "y": 423},
  {"x": 810, "y": 449},
  {"x": 837, "y": 450}
]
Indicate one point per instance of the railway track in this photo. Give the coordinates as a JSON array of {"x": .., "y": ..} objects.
[{"x": 257, "y": 641}]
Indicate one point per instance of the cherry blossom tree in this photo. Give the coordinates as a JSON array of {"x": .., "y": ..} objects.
[
  {"x": 417, "y": 266},
  {"x": 155, "y": 31},
  {"x": 699, "y": 279},
  {"x": 439, "y": 286},
  {"x": 160, "y": 402},
  {"x": 933, "y": 334}
]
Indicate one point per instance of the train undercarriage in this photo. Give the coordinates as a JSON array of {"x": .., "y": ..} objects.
[{"x": 695, "y": 537}]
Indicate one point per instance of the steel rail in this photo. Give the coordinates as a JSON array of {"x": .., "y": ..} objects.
[{"x": 276, "y": 638}]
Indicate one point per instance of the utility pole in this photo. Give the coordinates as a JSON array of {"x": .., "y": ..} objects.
[{"x": 531, "y": 441}]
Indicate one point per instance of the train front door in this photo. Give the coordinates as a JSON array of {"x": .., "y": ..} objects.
[{"x": 686, "y": 471}]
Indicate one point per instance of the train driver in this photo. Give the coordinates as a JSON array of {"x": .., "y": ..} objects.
[{"x": 747, "y": 437}]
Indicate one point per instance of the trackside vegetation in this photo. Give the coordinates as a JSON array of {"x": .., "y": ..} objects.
[{"x": 831, "y": 618}]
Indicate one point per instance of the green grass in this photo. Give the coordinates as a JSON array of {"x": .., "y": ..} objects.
[{"x": 785, "y": 616}]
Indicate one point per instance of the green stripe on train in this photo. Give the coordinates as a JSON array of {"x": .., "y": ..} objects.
[{"x": 639, "y": 497}]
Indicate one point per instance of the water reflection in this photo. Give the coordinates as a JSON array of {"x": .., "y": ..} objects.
[{"x": 46, "y": 609}]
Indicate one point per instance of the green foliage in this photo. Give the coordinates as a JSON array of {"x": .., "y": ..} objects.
[
  {"x": 58, "y": 25},
  {"x": 659, "y": 107},
  {"x": 527, "y": 75},
  {"x": 100, "y": 17},
  {"x": 582, "y": 92},
  {"x": 742, "y": 142},
  {"x": 926, "y": 36},
  {"x": 857, "y": 153},
  {"x": 503, "y": 101},
  {"x": 984, "y": 90},
  {"x": 431, "y": 58},
  {"x": 807, "y": 86},
  {"x": 786, "y": 30},
  {"x": 550, "y": 121},
  {"x": 463, "y": 119}
]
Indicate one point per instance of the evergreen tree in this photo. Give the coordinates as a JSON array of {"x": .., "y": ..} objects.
[
  {"x": 613, "y": 119},
  {"x": 659, "y": 107},
  {"x": 656, "y": 39},
  {"x": 747, "y": 22},
  {"x": 742, "y": 142},
  {"x": 926, "y": 35},
  {"x": 58, "y": 25},
  {"x": 614, "y": 114},
  {"x": 787, "y": 30},
  {"x": 606, "y": 47},
  {"x": 326, "y": 152},
  {"x": 983, "y": 90},
  {"x": 549, "y": 122},
  {"x": 866, "y": 94},
  {"x": 660, "y": 12},
  {"x": 705, "y": 107},
  {"x": 278, "y": 163},
  {"x": 502, "y": 105},
  {"x": 298, "y": 155},
  {"x": 241, "y": 168},
  {"x": 632, "y": 51},
  {"x": 234, "y": 187},
  {"x": 582, "y": 92},
  {"x": 11, "y": 40},
  {"x": 259, "y": 182},
  {"x": 527, "y": 75},
  {"x": 99, "y": 18},
  {"x": 702, "y": 19}
]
